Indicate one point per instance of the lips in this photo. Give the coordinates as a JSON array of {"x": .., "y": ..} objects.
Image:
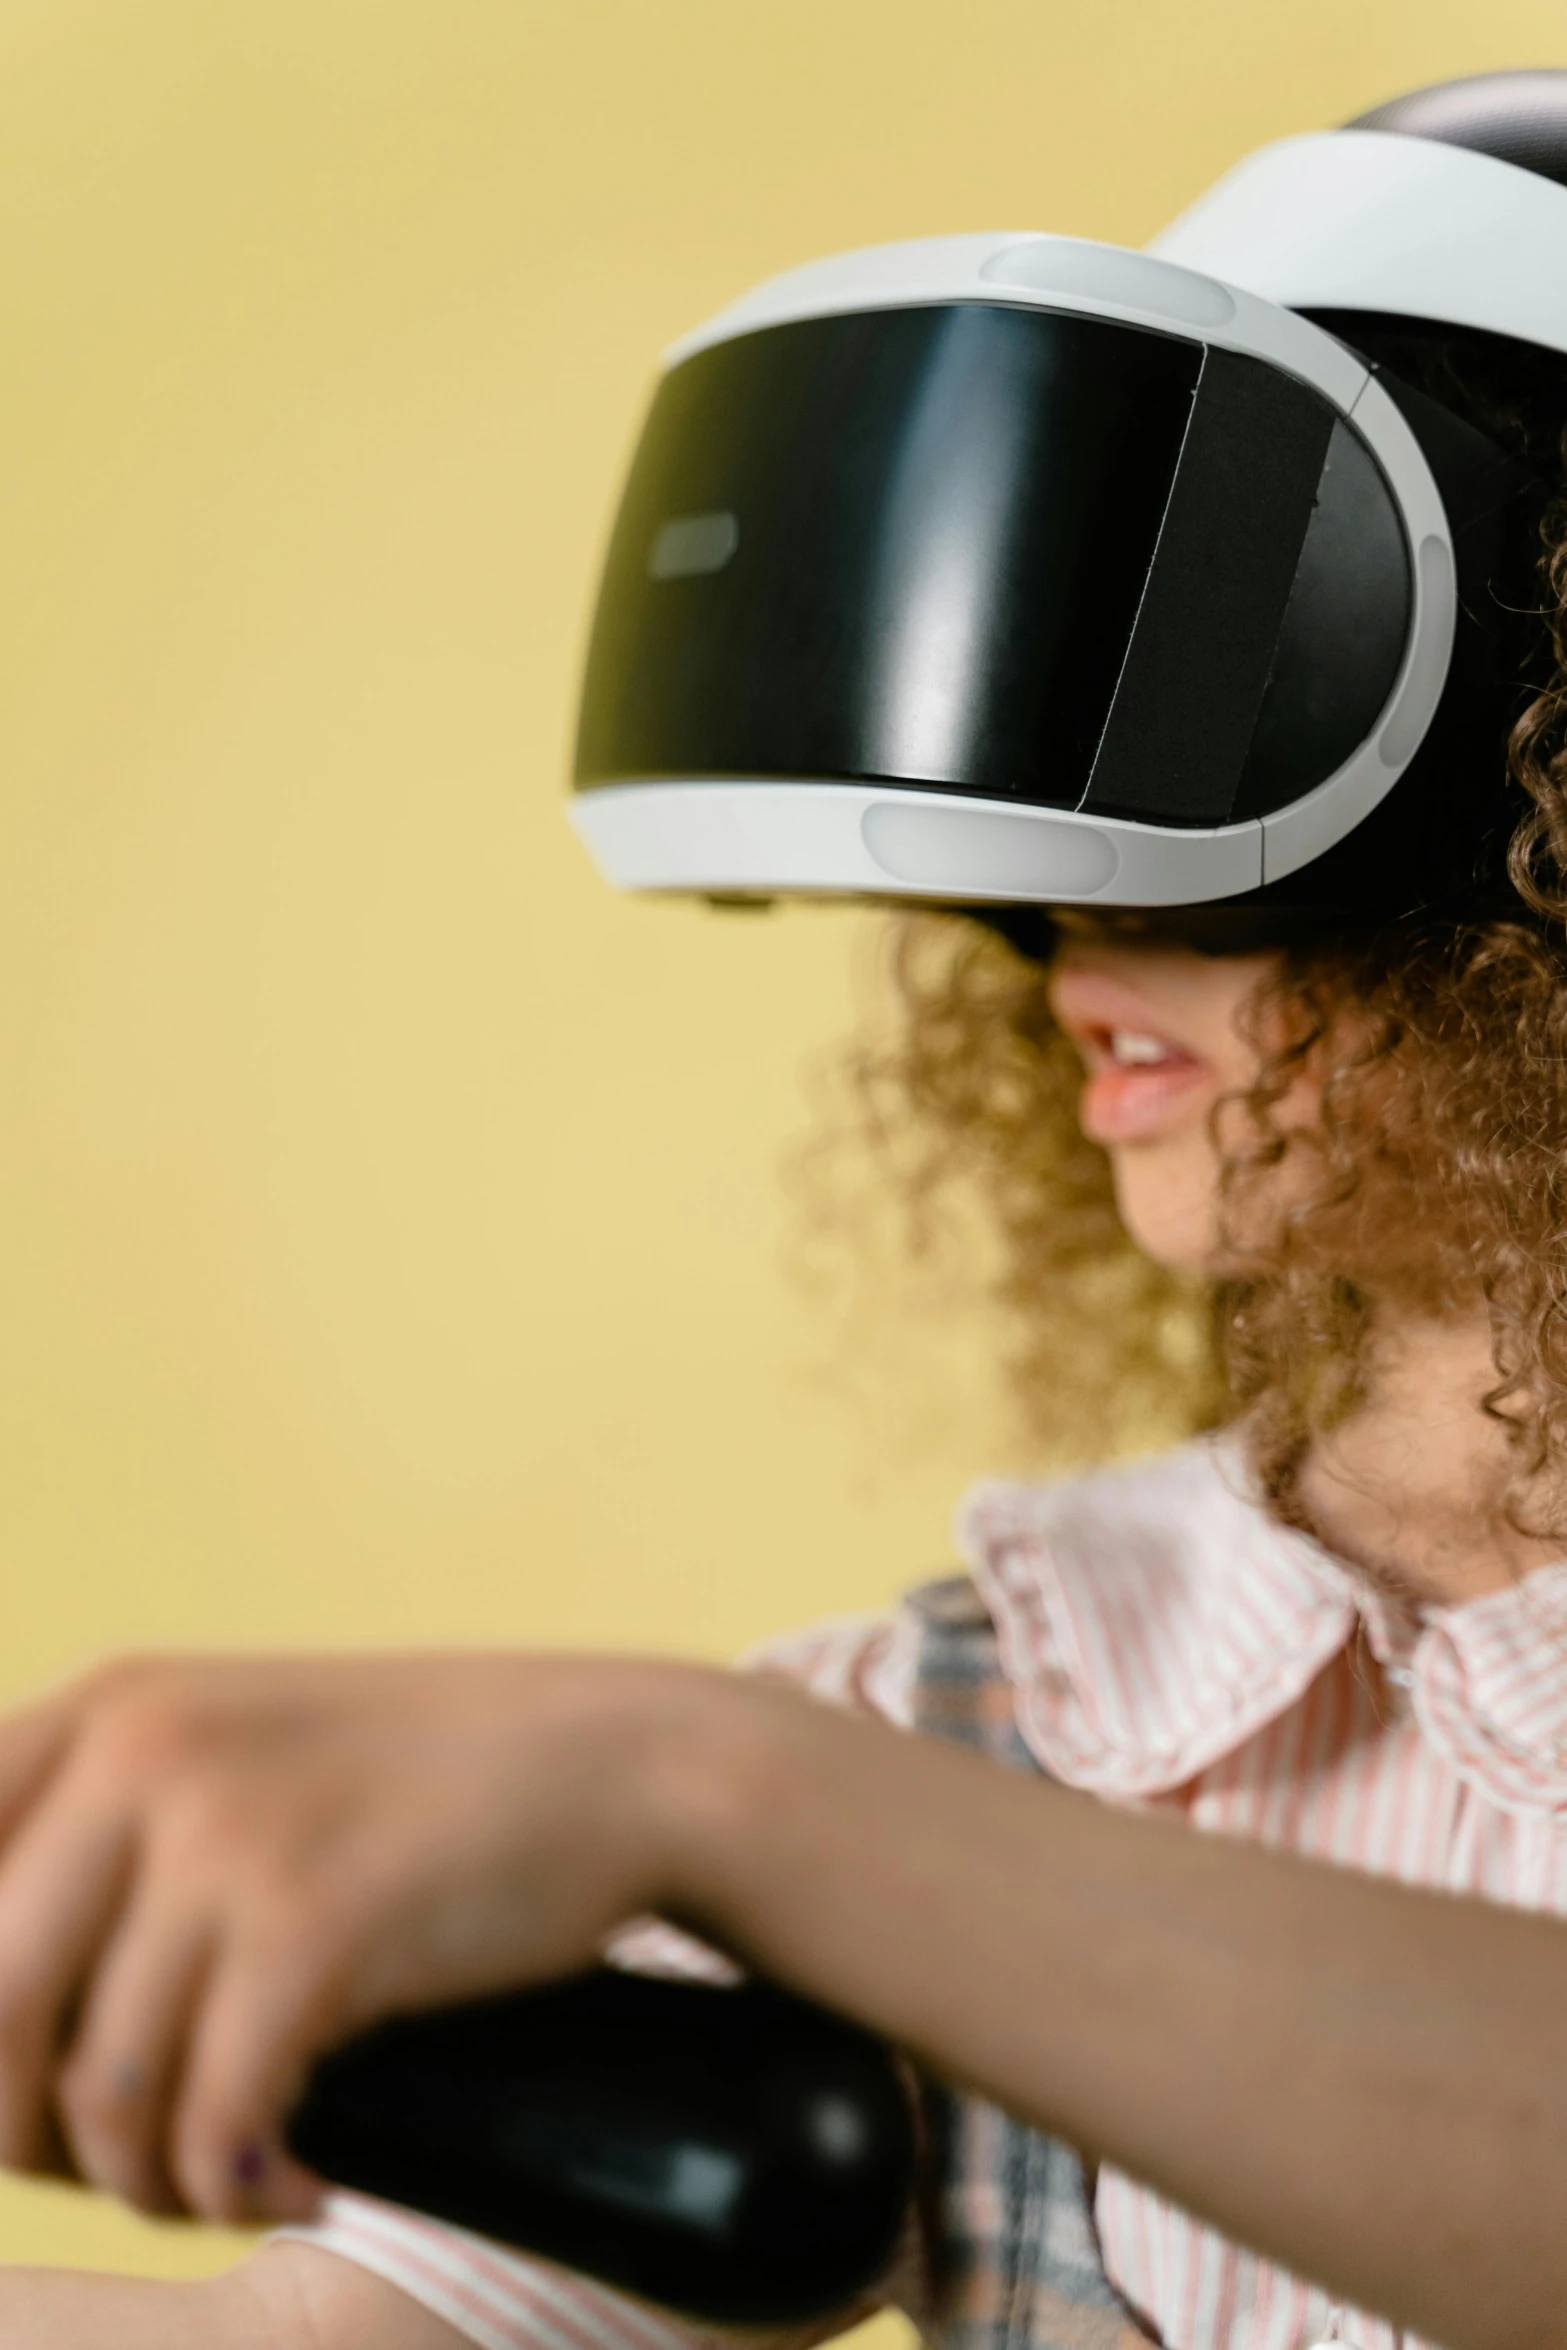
[{"x": 1141, "y": 1079}]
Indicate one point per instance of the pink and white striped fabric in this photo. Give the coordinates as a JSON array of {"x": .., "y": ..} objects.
[{"x": 1168, "y": 1644}]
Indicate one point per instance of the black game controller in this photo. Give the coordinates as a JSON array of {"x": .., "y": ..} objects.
[{"x": 738, "y": 2155}]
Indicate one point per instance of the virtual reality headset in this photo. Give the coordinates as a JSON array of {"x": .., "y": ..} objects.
[{"x": 1007, "y": 571}]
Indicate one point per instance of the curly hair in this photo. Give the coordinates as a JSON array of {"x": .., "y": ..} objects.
[{"x": 1439, "y": 1051}]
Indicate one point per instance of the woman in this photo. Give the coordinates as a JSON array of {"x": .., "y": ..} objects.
[
  {"x": 246, "y": 1860},
  {"x": 1313, "y": 1190}
]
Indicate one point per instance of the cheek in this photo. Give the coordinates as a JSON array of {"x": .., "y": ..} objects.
[{"x": 1169, "y": 1191}]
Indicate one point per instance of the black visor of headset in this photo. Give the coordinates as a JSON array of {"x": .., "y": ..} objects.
[{"x": 1000, "y": 572}]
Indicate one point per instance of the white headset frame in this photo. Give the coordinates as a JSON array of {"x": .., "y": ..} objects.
[{"x": 756, "y": 836}]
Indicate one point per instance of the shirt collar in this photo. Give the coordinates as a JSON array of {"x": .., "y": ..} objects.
[
  {"x": 1489, "y": 1686},
  {"x": 1153, "y": 1618}
]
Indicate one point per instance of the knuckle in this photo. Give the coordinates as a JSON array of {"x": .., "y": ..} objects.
[
  {"x": 98, "y": 2099},
  {"x": 107, "y": 2135},
  {"x": 105, "y": 1679},
  {"x": 107, "y": 2111},
  {"x": 298, "y": 1922},
  {"x": 125, "y": 1680},
  {"x": 146, "y": 1732},
  {"x": 216, "y": 1834},
  {"x": 123, "y": 1670},
  {"x": 214, "y": 1843},
  {"x": 205, "y": 1824}
]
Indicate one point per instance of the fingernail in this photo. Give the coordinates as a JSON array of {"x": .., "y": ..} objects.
[{"x": 250, "y": 2165}]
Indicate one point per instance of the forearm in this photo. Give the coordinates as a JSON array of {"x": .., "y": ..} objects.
[
  {"x": 1365, "y": 2082},
  {"x": 1368, "y": 2083},
  {"x": 287, "y": 2297},
  {"x": 62, "y": 2309}
]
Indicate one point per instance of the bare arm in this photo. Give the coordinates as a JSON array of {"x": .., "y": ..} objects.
[
  {"x": 225, "y": 1869},
  {"x": 1367, "y": 2083},
  {"x": 288, "y": 2297}
]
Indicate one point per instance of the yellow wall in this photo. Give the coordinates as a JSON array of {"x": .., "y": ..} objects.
[{"x": 388, "y": 1230}]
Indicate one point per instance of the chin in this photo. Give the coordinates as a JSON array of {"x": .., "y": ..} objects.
[{"x": 1167, "y": 1194}]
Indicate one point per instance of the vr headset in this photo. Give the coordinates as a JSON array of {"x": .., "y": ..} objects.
[{"x": 1015, "y": 571}]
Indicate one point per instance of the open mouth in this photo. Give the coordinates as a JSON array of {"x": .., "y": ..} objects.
[{"x": 1140, "y": 1078}]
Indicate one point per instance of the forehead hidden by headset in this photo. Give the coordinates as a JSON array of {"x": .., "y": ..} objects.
[{"x": 1019, "y": 571}]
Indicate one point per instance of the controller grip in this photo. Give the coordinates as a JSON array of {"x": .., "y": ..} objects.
[{"x": 739, "y": 2155}]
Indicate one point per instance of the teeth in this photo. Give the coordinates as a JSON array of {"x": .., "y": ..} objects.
[{"x": 1134, "y": 1050}]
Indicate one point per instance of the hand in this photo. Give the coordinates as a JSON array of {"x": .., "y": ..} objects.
[{"x": 211, "y": 1871}]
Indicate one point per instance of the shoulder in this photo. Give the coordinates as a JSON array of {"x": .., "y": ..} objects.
[{"x": 1150, "y": 1616}]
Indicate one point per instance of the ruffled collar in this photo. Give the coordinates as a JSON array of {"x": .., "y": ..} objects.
[{"x": 1153, "y": 1618}]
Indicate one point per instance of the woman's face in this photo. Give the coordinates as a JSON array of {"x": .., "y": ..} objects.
[{"x": 1159, "y": 1029}]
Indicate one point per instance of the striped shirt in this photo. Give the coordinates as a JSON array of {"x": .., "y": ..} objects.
[{"x": 1166, "y": 1644}]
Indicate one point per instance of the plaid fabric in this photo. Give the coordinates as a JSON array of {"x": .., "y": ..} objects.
[{"x": 1018, "y": 2262}]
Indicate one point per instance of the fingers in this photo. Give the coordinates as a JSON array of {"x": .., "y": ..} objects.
[
  {"x": 32, "y": 1745},
  {"x": 269, "y": 2007},
  {"x": 129, "y": 1862},
  {"x": 60, "y": 1887},
  {"x": 117, "y": 2087},
  {"x": 36, "y": 1739}
]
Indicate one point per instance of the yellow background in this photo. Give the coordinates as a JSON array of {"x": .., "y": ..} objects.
[{"x": 389, "y": 1232}]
